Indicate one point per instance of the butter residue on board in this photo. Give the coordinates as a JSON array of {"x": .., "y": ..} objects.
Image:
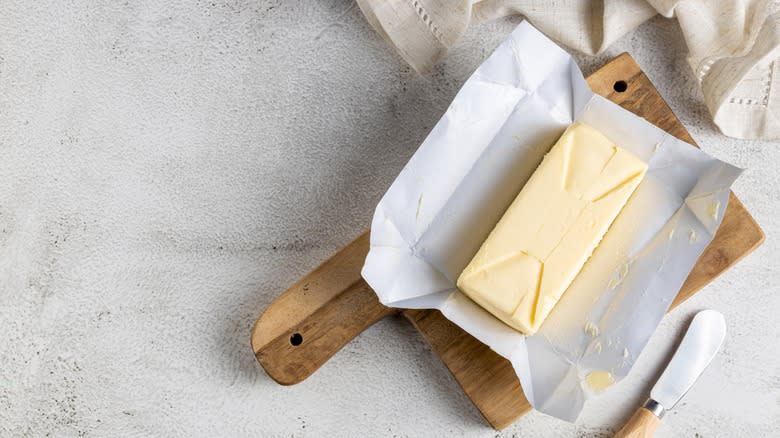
[{"x": 551, "y": 229}]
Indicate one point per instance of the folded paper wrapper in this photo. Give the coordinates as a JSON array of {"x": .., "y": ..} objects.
[{"x": 458, "y": 184}]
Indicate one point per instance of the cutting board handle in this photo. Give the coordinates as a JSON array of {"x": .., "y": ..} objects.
[{"x": 317, "y": 316}]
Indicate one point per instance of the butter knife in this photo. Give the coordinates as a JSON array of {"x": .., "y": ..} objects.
[{"x": 700, "y": 344}]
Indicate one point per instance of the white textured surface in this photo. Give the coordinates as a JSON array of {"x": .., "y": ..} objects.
[{"x": 168, "y": 168}]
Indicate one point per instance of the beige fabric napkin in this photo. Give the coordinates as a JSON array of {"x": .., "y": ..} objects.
[{"x": 733, "y": 44}]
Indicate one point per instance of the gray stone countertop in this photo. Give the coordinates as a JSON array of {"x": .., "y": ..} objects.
[{"x": 168, "y": 167}]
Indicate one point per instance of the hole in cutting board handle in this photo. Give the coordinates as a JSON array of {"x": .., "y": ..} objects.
[
  {"x": 620, "y": 86},
  {"x": 296, "y": 339}
]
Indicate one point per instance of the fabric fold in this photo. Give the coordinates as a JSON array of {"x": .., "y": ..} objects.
[
  {"x": 420, "y": 31},
  {"x": 732, "y": 44}
]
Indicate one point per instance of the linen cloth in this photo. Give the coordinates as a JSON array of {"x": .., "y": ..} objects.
[{"x": 733, "y": 45}]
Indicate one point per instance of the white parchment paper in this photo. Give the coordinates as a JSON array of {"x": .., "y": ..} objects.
[{"x": 445, "y": 202}]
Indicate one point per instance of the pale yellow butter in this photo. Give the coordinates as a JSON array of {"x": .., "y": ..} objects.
[
  {"x": 598, "y": 381},
  {"x": 552, "y": 227}
]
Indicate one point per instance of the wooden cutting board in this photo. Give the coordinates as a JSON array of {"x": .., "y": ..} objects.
[{"x": 323, "y": 311}]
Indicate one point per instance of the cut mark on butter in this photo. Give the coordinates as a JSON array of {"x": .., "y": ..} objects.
[
  {"x": 691, "y": 236},
  {"x": 712, "y": 210},
  {"x": 626, "y": 182},
  {"x": 598, "y": 381},
  {"x": 419, "y": 207},
  {"x": 591, "y": 329},
  {"x": 671, "y": 234}
]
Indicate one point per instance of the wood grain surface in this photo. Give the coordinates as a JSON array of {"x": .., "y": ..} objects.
[
  {"x": 302, "y": 328},
  {"x": 323, "y": 311},
  {"x": 642, "y": 424}
]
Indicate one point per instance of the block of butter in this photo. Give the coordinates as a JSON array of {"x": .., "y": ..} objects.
[{"x": 551, "y": 228}]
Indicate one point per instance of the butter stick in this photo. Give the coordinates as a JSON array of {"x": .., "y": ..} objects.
[{"x": 551, "y": 228}]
